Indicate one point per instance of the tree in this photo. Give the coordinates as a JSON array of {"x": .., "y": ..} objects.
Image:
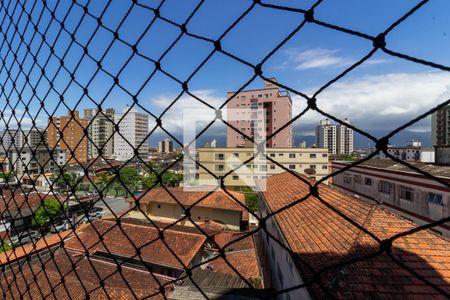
[
  {"x": 48, "y": 210},
  {"x": 66, "y": 180},
  {"x": 171, "y": 178},
  {"x": 128, "y": 179},
  {"x": 252, "y": 201}
]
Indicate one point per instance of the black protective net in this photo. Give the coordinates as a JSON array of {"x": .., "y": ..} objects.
[{"x": 41, "y": 55}]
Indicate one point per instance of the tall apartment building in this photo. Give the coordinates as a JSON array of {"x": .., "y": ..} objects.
[
  {"x": 344, "y": 138},
  {"x": 337, "y": 138},
  {"x": 326, "y": 136},
  {"x": 133, "y": 128},
  {"x": 101, "y": 132},
  {"x": 35, "y": 160},
  {"x": 278, "y": 109},
  {"x": 440, "y": 127},
  {"x": 165, "y": 146},
  {"x": 219, "y": 161},
  {"x": 68, "y": 133},
  {"x": 15, "y": 139}
]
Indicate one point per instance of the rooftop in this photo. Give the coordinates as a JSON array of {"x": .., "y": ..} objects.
[
  {"x": 216, "y": 199},
  {"x": 321, "y": 238},
  {"x": 123, "y": 240},
  {"x": 390, "y": 165},
  {"x": 70, "y": 275},
  {"x": 13, "y": 202}
]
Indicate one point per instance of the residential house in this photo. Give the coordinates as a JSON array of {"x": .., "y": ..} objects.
[
  {"x": 159, "y": 204},
  {"x": 320, "y": 249}
]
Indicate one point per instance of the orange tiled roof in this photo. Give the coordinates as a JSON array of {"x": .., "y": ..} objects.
[
  {"x": 321, "y": 238},
  {"x": 217, "y": 199},
  {"x": 36, "y": 280},
  {"x": 12, "y": 202},
  {"x": 117, "y": 241},
  {"x": 241, "y": 255}
]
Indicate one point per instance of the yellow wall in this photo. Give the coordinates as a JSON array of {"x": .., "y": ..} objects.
[
  {"x": 172, "y": 212},
  {"x": 301, "y": 161}
]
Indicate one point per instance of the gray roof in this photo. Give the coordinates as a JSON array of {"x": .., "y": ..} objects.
[{"x": 390, "y": 165}]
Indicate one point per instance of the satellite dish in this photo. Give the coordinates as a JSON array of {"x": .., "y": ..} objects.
[{"x": 310, "y": 171}]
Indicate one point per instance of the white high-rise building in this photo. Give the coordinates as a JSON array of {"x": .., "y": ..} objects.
[
  {"x": 344, "y": 139},
  {"x": 101, "y": 132},
  {"x": 133, "y": 128},
  {"x": 165, "y": 146},
  {"x": 326, "y": 136},
  {"x": 337, "y": 138}
]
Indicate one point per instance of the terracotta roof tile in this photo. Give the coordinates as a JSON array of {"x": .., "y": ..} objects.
[
  {"x": 321, "y": 237},
  {"x": 124, "y": 240},
  {"x": 55, "y": 278},
  {"x": 217, "y": 199},
  {"x": 11, "y": 202}
]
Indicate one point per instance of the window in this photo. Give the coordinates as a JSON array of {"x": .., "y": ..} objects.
[
  {"x": 324, "y": 167},
  {"x": 312, "y": 167},
  {"x": 347, "y": 179},
  {"x": 235, "y": 177},
  {"x": 435, "y": 198},
  {"x": 324, "y": 155},
  {"x": 385, "y": 187},
  {"x": 406, "y": 193},
  {"x": 236, "y": 154},
  {"x": 280, "y": 154},
  {"x": 220, "y": 156},
  {"x": 312, "y": 155},
  {"x": 272, "y": 167},
  {"x": 219, "y": 168},
  {"x": 367, "y": 181},
  {"x": 159, "y": 205},
  {"x": 291, "y": 155},
  {"x": 357, "y": 179},
  {"x": 291, "y": 167},
  {"x": 272, "y": 154}
]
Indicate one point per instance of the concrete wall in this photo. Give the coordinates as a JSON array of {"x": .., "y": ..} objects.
[
  {"x": 279, "y": 269},
  {"x": 172, "y": 212},
  {"x": 295, "y": 159},
  {"x": 420, "y": 210}
]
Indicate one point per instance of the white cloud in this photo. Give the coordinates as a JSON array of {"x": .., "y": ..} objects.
[
  {"x": 174, "y": 119},
  {"x": 379, "y": 101},
  {"x": 316, "y": 58}
]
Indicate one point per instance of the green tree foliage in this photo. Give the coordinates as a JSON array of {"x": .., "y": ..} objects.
[
  {"x": 5, "y": 247},
  {"x": 7, "y": 176},
  {"x": 251, "y": 200},
  {"x": 168, "y": 178},
  {"x": 66, "y": 180},
  {"x": 50, "y": 208}
]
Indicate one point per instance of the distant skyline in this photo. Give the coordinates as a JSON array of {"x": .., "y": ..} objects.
[{"x": 378, "y": 96}]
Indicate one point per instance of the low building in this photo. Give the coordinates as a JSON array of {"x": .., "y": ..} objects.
[
  {"x": 50, "y": 270},
  {"x": 34, "y": 161},
  {"x": 4, "y": 164},
  {"x": 219, "y": 161},
  {"x": 160, "y": 205},
  {"x": 18, "y": 208},
  {"x": 399, "y": 189},
  {"x": 414, "y": 151},
  {"x": 330, "y": 257}
]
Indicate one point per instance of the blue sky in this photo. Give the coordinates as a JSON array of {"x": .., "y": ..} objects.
[{"x": 378, "y": 96}]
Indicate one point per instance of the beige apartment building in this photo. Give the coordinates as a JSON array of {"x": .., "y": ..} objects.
[
  {"x": 68, "y": 133},
  {"x": 221, "y": 160}
]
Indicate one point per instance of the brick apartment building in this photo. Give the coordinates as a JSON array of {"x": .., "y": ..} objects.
[
  {"x": 278, "y": 110},
  {"x": 68, "y": 133}
]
